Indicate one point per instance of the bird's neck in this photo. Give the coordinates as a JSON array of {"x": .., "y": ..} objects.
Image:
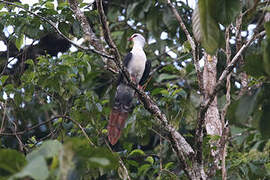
[{"x": 137, "y": 46}]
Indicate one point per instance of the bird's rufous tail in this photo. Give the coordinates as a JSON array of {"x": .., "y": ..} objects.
[
  {"x": 116, "y": 124},
  {"x": 121, "y": 108}
]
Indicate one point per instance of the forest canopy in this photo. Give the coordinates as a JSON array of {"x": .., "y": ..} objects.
[{"x": 203, "y": 113}]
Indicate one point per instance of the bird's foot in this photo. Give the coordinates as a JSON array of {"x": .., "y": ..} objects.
[
  {"x": 133, "y": 79},
  {"x": 140, "y": 87}
]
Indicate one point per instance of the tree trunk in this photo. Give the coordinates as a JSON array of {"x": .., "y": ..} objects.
[{"x": 212, "y": 121}]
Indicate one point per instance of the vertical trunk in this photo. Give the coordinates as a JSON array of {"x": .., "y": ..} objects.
[{"x": 212, "y": 121}]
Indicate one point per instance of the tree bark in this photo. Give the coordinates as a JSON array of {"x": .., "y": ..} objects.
[{"x": 212, "y": 120}]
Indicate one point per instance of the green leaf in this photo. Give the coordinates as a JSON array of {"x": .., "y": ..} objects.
[
  {"x": 19, "y": 41},
  {"x": 49, "y": 5},
  {"x": 29, "y": 61},
  {"x": 210, "y": 28},
  {"x": 80, "y": 54},
  {"x": 48, "y": 149},
  {"x": 144, "y": 168},
  {"x": 267, "y": 29},
  {"x": 90, "y": 156},
  {"x": 131, "y": 8},
  {"x": 227, "y": 11},
  {"x": 246, "y": 106},
  {"x": 150, "y": 160},
  {"x": 64, "y": 27},
  {"x": 196, "y": 25},
  {"x": 76, "y": 27},
  {"x": 2, "y": 5},
  {"x": 254, "y": 63},
  {"x": 3, "y": 79},
  {"x": 266, "y": 55},
  {"x": 169, "y": 165},
  {"x": 152, "y": 22},
  {"x": 36, "y": 169},
  {"x": 137, "y": 152},
  {"x": 133, "y": 163},
  {"x": 168, "y": 18},
  {"x": 88, "y": 67},
  {"x": 264, "y": 123},
  {"x": 166, "y": 76},
  {"x": 113, "y": 14},
  {"x": 11, "y": 161}
]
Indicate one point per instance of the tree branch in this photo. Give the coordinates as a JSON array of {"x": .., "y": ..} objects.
[
  {"x": 80, "y": 126},
  {"x": 183, "y": 26},
  {"x": 227, "y": 70},
  {"x": 191, "y": 42},
  {"x": 28, "y": 129},
  {"x": 45, "y": 122},
  {"x": 4, "y": 107},
  {"x": 207, "y": 102},
  {"x": 120, "y": 160},
  {"x": 182, "y": 149},
  {"x": 107, "y": 33},
  {"x": 225, "y": 108}
]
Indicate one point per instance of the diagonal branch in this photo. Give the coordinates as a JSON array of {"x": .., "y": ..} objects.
[
  {"x": 183, "y": 150},
  {"x": 191, "y": 42},
  {"x": 226, "y": 72},
  {"x": 90, "y": 35},
  {"x": 107, "y": 32},
  {"x": 207, "y": 102},
  {"x": 183, "y": 26}
]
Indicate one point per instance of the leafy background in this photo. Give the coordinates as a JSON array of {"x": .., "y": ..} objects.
[{"x": 68, "y": 93}]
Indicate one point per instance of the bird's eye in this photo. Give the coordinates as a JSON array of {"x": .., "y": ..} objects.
[{"x": 134, "y": 35}]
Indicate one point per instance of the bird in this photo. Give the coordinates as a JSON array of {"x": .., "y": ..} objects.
[{"x": 139, "y": 68}]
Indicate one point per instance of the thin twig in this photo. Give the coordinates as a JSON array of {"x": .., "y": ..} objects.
[
  {"x": 160, "y": 154},
  {"x": 45, "y": 122},
  {"x": 22, "y": 147},
  {"x": 120, "y": 160},
  {"x": 183, "y": 26},
  {"x": 30, "y": 128},
  {"x": 226, "y": 106},
  {"x": 4, "y": 115},
  {"x": 79, "y": 125}
]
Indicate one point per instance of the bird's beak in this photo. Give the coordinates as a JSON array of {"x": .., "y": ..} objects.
[{"x": 130, "y": 39}]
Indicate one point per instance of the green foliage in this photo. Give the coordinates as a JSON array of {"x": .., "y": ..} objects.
[
  {"x": 206, "y": 19},
  {"x": 76, "y": 84},
  {"x": 210, "y": 29},
  {"x": 11, "y": 162},
  {"x": 36, "y": 169},
  {"x": 53, "y": 159},
  {"x": 249, "y": 157},
  {"x": 227, "y": 10},
  {"x": 48, "y": 149}
]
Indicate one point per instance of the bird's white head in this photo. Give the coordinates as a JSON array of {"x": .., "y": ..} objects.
[{"x": 137, "y": 39}]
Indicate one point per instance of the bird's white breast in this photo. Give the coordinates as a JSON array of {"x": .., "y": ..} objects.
[{"x": 136, "y": 65}]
